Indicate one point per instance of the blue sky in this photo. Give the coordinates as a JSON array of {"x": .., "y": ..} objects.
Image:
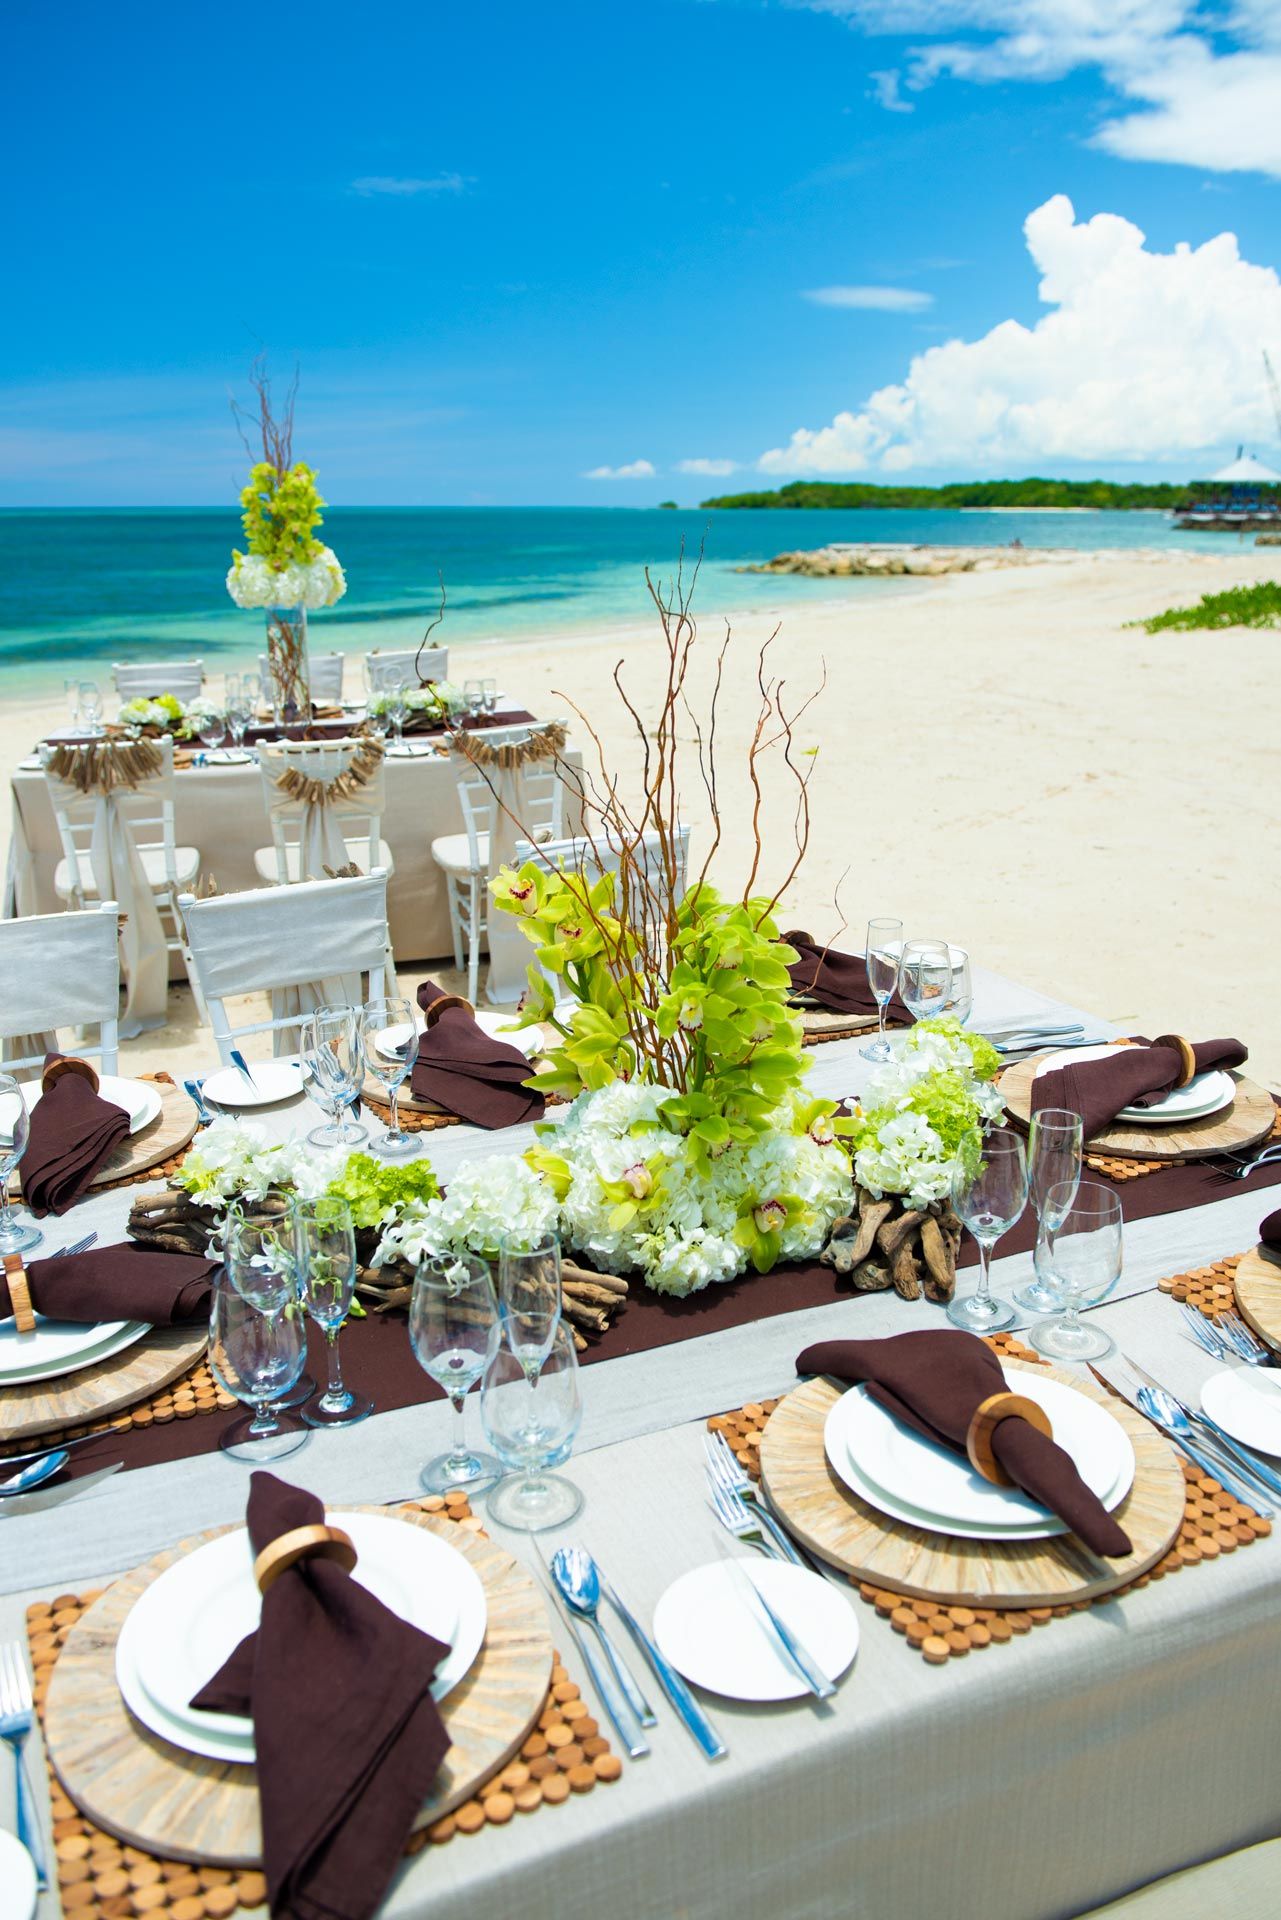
[{"x": 511, "y": 247}]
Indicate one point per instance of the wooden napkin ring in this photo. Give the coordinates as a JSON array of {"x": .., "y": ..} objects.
[
  {"x": 988, "y": 1416},
  {"x": 434, "y": 1008},
  {"x": 1187, "y": 1059},
  {"x": 317, "y": 1542},
  {"x": 66, "y": 1064},
  {"x": 19, "y": 1293}
]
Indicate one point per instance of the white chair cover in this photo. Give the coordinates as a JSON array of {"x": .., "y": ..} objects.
[
  {"x": 308, "y": 946},
  {"x": 60, "y": 970},
  {"x": 381, "y": 669},
  {"x": 321, "y": 840},
  {"x": 118, "y": 875},
  {"x": 147, "y": 679},
  {"x": 324, "y": 676}
]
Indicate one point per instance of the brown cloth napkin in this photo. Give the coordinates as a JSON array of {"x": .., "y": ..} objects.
[
  {"x": 118, "y": 1283},
  {"x": 1270, "y": 1237},
  {"x": 838, "y": 981},
  {"x": 72, "y": 1131},
  {"x": 934, "y": 1381},
  {"x": 348, "y": 1737},
  {"x": 1133, "y": 1076},
  {"x": 461, "y": 1068}
]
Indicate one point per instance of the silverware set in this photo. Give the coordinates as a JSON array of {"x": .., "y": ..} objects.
[
  {"x": 1246, "y": 1164},
  {"x": 1199, "y": 1438},
  {"x": 1227, "y": 1338},
  {"x": 195, "y": 1093}
]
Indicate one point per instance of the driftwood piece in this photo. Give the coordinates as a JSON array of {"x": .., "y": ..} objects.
[
  {"x": 940, "y": 1262},
  {"x": 904, "y": 1270},
  {"x": 884, "y": 1244}
]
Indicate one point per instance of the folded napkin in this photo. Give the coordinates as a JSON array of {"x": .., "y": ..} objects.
[
  {"x": 118, "y": 1283},
  {"x": 1132, "y": 1076},
  {"x": 838, "y": 981},
  {"x": 72, "y": 1132},
  {"x": 934, "y": 1381},
  {"x": 347, "y": 1735},
  {"x": 463, "y": 1069},
  {"x": 1270, "y": 1237}
]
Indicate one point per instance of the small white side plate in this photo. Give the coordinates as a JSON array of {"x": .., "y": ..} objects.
[
  {"x": 1246, "y": 1402},
  {"x": 273, "y": 1080},
  {"x": 17, "y": 1879},
  {"x": 711, "y": 1632}
]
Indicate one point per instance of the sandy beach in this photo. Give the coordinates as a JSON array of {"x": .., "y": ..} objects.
[{"x": 999, "y": 762}]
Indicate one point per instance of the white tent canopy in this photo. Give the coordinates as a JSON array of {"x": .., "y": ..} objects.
[{"x": 1246, "y": 471}]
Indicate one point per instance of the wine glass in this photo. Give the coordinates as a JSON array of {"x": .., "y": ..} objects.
[
  {"x": 959, "y": 1003},
  {"x": 531, "y": 1431},
  {"x": 989, "y": 1201},
  {"x": 71, "y": 693},
  {"x": 91, "y": 706},
  {"x": 1053, "y": 1159},
  {"x": 389, "y": 1040},
  {"x": 474, "y": 695},
  {"x": 15, "y": 1131},
  {"x": 213, "y": 726},
  {"x": 1080, "y": 1256},
  {"x": 396, "y": 695},
  {"x": 239, "y": 714},
  {"x": 529, "y": 1298},
  {"x": 883, "y": 950},
  {"x": 925, "y": 977},
  {"x": 489, "y": 695},
  {"x": 257, "y": 1357},
  {"x": 454, "y": 1331},
  {"x": 332, "y": 1063},
  {"x": 262, "y": 1262},
  {"x": 325, "y": 1238}
]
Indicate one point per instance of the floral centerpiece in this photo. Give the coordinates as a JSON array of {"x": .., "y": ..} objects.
[
  {"x": 166, "y": 713},
  {"x": 286, "y": 569},
  {"x": 432, "y": 705}
]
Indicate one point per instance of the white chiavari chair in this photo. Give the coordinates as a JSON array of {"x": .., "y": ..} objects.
[
  {"x": 328, "y": 830},
  {"x": 324, "y": 677},
  {"x": 148, "y": 679},
  {"x": 382, "y": 670},
  {"x": 62, "y": 975}
]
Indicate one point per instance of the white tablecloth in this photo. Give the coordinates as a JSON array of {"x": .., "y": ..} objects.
[{"x": 1028, "y": 1782}]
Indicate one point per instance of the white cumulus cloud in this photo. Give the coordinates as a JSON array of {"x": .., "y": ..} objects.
[
  {"x": 873, "y": 299},
  {"x": 634, "y": 470},
  {"x": 1141, "y": 356},
  {"x": 716, "y": 469}
]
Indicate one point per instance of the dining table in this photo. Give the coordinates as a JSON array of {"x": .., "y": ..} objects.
[{"x": 1032, "y": 1780}]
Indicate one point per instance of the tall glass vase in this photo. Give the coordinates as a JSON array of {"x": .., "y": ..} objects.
[{"x": 288, "y": 681}]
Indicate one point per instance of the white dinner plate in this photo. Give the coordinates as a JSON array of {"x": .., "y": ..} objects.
[
  {"x": 412, "y": 750},
  {"x": 139, "y": 1098},
  {"x": 17, "y": 1879},
  {"x": 192, "y": 1618},
  {"x": 874, "y": 1496},
  {"x": 59, "y": 1347},
  {"x": 273, "y": 1080},
  {"x": 227, "y": 757},
  {"x": 940, "y": 1485},
  {"x": 1246, "y": 1402},
  {"x": 1205, "y": 1094},
  {"x": 711, "y": 1632},
  {"x": 499, "y": 1026}
]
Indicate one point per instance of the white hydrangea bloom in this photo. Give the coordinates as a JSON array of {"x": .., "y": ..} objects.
[
  {"x": 486, "y": 1201},
  {"x": 251, "y": 582}
]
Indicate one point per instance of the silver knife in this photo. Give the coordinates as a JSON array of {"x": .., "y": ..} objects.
[
  {"x": 242, "y": 1066},
  {"x": 1033, "y": 1025},
  {"x": 615, "y": 1706},
  {"x": 794, "y": 1652},
  {"x": 1206, "y": 1460},
  {"x": 695, "y": 1720},
  {"x": 1243, "y": 1457}
]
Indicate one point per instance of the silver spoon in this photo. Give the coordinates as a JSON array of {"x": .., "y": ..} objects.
[
  {"x": 1159, "y": 1408},
  {"x": 32, "y": 1476},
  {"x": 575, "y": 1573}
]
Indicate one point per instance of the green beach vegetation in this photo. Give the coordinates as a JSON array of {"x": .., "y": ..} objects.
[
  {"x": 1257, "y": 606},
  {"x": 862, "y": 495}
]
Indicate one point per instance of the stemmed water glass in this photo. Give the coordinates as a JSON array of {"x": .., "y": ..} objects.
[
  {"x": 389, "y": 1039},
  {"x": 529, "y": 1298},
  {"x": 262, "y": 1263},
  {"x": 925, "y": 977},
  {"x": 326, "y": 1243},
  {"x": 959, "y": 1003},
  {"x": 489, "y": 695},
  {"x": 1053, "y": 1160},
  {"x": 883, "y": 950},
  {"x": 454, "y": 1331},
  {"x": 474, "y": 695},
  {"x": 15, "y": 1130},
  {"x": 531, "y": 1422},
  {"x": 989, "y": 1200},
  {"x": 332, "y": 1060},
  {"x": 213, "y": 727},
  {"x": 241, "y": 702},
  {"x": 71, "y": 693},
  {"x": 257, "y": 1356},
  {"x": 396, "y": 694},
  {"x": 91, "y": 706},
  {"x": 1080, "y": 1254}
]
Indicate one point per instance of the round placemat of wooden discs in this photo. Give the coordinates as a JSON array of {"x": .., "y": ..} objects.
[
  {"x": 159, "y": 1798},
  {"x": 853, "y": 1536},
  {"x": 128, "y": 1377},
  {"x": 1257, "y": 1286},
  {"x": 1247, "y": 1121}
]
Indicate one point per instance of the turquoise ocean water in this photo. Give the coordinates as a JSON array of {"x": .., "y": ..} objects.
[{"x": 84, "y": 587}]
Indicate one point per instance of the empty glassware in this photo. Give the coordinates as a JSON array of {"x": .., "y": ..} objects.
[
  {"x": 454, "y": 1331},
  {"x": 531, "y": 1423},
  {"x": 257, "y": 1356},
  {"x": 989, "y": 1201}
]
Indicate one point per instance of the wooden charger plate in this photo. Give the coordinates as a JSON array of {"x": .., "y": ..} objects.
[
  {"x": 157, "y": 1797},
  {"x": 96, "y": 1392},
  {"x": 1257, "y": 1286},
  {"x": 173, "y": 1128},
  {"x": 1248, "y": 1120},
  {"x": 864, "y": 1543}
]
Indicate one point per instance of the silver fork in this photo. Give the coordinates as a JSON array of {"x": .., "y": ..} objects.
[
  {"x": 1268, "y": 1158},
  {"x": 735, "y": 1519},
  {"x": 724, "y": 1469},
  {"x": 15, "y": 1725},
  {"x": 77, "y": 1246}
]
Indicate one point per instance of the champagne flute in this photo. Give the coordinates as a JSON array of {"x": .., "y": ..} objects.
[
  {"x": 883, "y": 950},
  {"x": 332, "y": 1062},
  {"x": 15, "y": 1132},
  {"x": 489, "y": 695},
  {"x": 1053, "y": 1159},
  {"x": 71, "y": 693},
  {"x": 1081, "y": 1258},
  {"x": 529, "y": 1297},
  {"x": 389, "y": 1042},
  {"x": 257, "y": 1357},
  {"x": 91, "y": 706},
  {"x": 925, "y": 977},
  {"x": 531, "y": 1431},
  {"x": 325, "y": 1238},
  {"x": 396, "y": 696},
  {"x": 989, "y": 1200},
  {"x": 474, "y": 695},
  {"x": 454, "y": 1330}
]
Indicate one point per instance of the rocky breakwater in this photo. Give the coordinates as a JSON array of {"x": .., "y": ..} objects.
[{"x": 885, "y": 559}]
